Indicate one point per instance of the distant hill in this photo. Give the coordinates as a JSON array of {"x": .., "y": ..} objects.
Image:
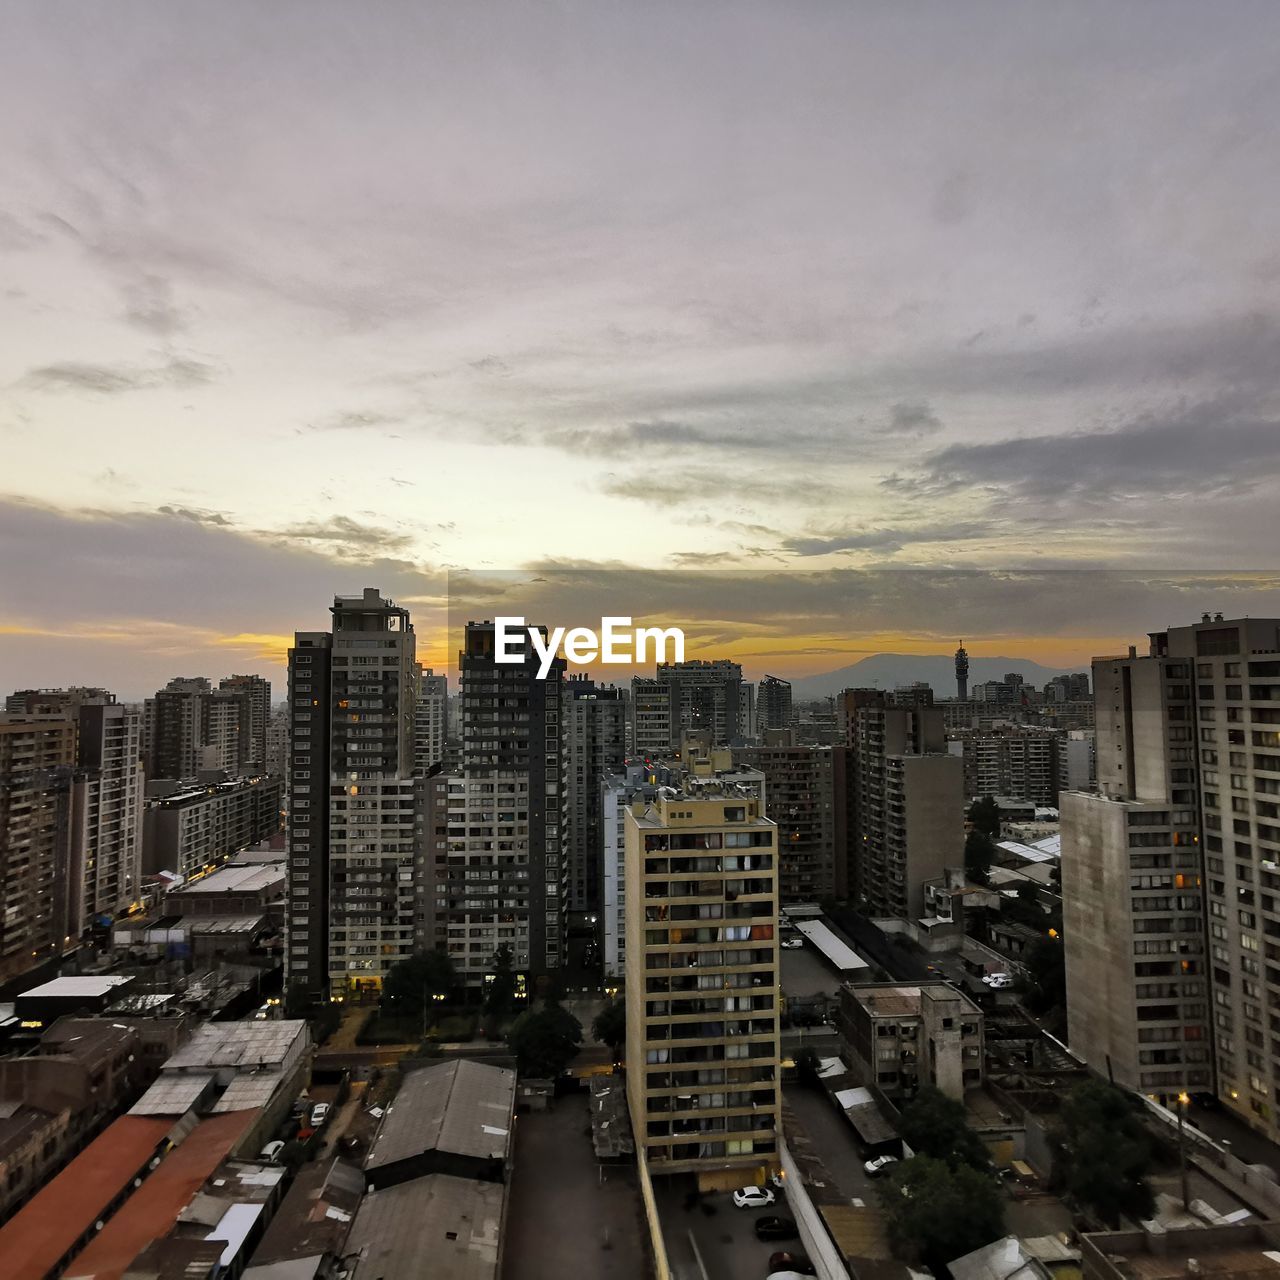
[{"x": 889, "y": 670}]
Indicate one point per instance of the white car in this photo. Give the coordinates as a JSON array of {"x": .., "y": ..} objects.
[
  {"x": 753, "y": 1197},
  {"x": 319, "y": 1114},
  {"x": 998, "y": 981},
  {"x": 877, "y": 1166},
  {"x": 271, "y": 1152},
  {"x": 791, "y": 944}
]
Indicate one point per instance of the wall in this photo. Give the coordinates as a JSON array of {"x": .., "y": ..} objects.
[{"x": 827, "y": 1259}]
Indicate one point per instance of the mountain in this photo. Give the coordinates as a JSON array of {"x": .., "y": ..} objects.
[{"x": 888, "y": 670}]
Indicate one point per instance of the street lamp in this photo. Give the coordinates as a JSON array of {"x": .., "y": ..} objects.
[{"x": 1183, "y": 1100}]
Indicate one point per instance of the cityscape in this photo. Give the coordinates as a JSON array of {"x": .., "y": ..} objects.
[{"x": 639, "y": 641}]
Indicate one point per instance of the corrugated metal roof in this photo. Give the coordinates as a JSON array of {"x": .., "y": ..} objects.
[
  {"x": 454, "y": 1222},
  {"x": 34, "y": 1240},
  {"x": 234, "y": 1044},
  {"x": 173, "y": 1095},
  {"x": 152, "y": 1210},
  {"x": 239, "y": 879},
  {"x": 462, "y": 1107}
]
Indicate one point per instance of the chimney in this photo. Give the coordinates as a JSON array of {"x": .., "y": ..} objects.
[
  {"x": 1204, "y": 617},
  {"x": 1133, "y": 648},
  {"x": 1217, "y": 617}
]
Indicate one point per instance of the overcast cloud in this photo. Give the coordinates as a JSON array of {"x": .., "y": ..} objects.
[{"x": 303, "y": 295}]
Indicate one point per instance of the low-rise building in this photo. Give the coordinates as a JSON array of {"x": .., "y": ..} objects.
[
  {"x": 905, "y": 1036},
  {"x": 1231, "y": 1251}
]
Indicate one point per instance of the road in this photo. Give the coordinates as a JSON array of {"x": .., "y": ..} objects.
[
  {"x": 564, "y": 1216},
  {"x": 714, "y": 1233},
  {"x": 1232, "y": 1132}
]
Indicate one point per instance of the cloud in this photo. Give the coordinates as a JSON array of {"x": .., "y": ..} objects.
[
  {"x": 149, "y": 305},
  {"x": 912, "y": 419},
  {"x": 1217, "y": 449},
  {"x": 105, "y": 379},
  {"x": 885, "y": 540},
  {"x": 345, "y": 532},
  {"x": 688, "y": 486},
  {"x": 198, "y": 517}
]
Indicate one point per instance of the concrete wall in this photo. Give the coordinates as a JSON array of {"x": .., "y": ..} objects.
[{"x": 827, "y": 1259}]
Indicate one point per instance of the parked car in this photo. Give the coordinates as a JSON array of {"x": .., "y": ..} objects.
[
  {"x": 271, "y": 1152},
  {"x": 319, "y": 1114},
  {"x": 879, "y": 1165},
  {"x": 998, "y": 981},
  {"x": 796, "y": 1262},
  {"x": 776, "y": 1229},
  {"x": 753, "y": 1197},
  {"x": 792, "y": 944}
]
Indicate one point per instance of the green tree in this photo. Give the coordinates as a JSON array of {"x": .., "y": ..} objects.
[
  {"x": 933, "y": 1125},
  {"x": 807, "y": 1066},
  {"x": 609, "y": 1026},
  {"x": 1045, "y": 988},
  {"x": 1103, "y": 1152},
  {"x": 935, "y": 1214},
  {"x": 499, "y": 998},
  {"x": 544, "y": 1040},
  {"x": 984, "y": 814},
  {"x": 979, "y": 853},
  {"x": 413, "y": 984}
]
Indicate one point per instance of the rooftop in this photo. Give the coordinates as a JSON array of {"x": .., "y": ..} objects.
[
  {"x": 47, "y": 1227},
  {"x": 836, "y": 950},
  {"x": 89, "y": 987},
  {"x": 152, "y": 1210},
  {"x": 461, "y": 1107},
  {"x": 239, "y": 879},
  {"x": 315, "y": 1215},
  {"x": 254, "y": 1043},
  {"x": 456, "y": 1222}
]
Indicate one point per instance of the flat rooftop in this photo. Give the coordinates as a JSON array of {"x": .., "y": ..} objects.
[
  {"x": 238, "y": 879},
  {"x": 253, "y": 1043},
  {"x": 73, "y": 987},
  {"x": 836, "y": 950}
]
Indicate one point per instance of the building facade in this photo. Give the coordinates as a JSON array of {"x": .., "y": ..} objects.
[
  {"x": 501, "y": 878},
  {"x": 195, "y": 829},
  {"x": 353, "y": 901},
  {"x": 430, "y": 721},
  {"x": 37, "y": 770},
  {"x": 702, "y": 982},
  {"x": 595, "y": 745}
]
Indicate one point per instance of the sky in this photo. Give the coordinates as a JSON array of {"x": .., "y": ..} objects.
[{"x": 302, "y": 297}]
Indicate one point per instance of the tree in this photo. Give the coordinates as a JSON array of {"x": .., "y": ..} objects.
[
  {"x": 1046, "y": 983},
  {"x": 807, "y": 1066},
  {"x": 610, "y": 1027},
  {"x": 415, "y": 982},
  {"x": 935, "y": 1214},
  {"x": 933, "y": 1125},
  {"x": 1103, "y": 1153},
  {"x": 544, "y": 1040},
  {"x": 984, "y": 815},
  {"x": 979, "y": 853},
  {"x": 501, "y": 993}
]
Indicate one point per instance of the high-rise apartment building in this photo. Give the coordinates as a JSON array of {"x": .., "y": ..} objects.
[
  {"x": 191, "y": 727},
  {"x": 688, "y": 697},
  {"x": 908, "y": 803},
  {"x": 252, "y": 721},
  {"x": 618, "y": 792},
  {"x": 595, "y": 745},
  {"x": 500, "y": 878},
  {"x": 703, "y": 1076},
  {"x": 430, "y": 721},
  {"x": 773, "y": 704},
  {"x": 1189, "y": 736},
  {"x": 353, "y": 910},
  {"x": 192, "y": 829},
  {"x": 806, "y": 796},
  {"x": 1012, "y": 760},
  {"x": 1132, "y": 886},
  {"x": 37, "y": 767},
  {"x": 104, "y": 859}
]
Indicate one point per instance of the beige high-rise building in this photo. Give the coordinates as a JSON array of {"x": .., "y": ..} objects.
[
  {"x": 1185, "y": 830},
  {"x": 703, "y": 1076}
]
